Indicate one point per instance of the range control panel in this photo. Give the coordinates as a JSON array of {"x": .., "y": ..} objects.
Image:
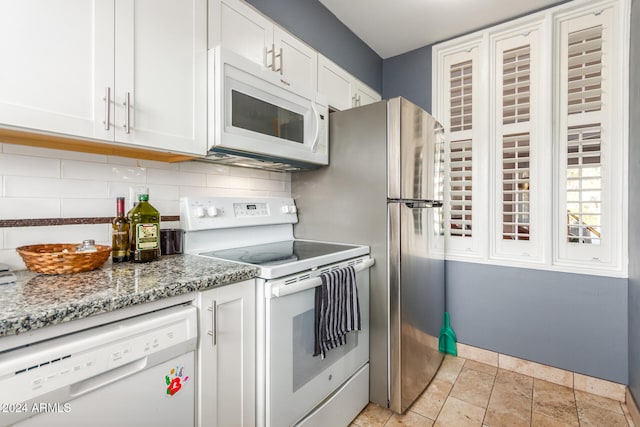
[{"x": 208, "y": 213}]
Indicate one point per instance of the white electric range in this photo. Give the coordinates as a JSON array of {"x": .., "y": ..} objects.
[{"x": 293, "y": 386}]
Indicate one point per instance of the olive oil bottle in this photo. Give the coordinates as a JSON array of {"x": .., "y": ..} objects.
[{"x": 145, "y": 231}]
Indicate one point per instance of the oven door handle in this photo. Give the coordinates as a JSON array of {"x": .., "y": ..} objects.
[{"x": 303, "y": 285}]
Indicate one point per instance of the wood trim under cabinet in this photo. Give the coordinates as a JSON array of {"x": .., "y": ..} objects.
[{"x": 42, "y": 140}]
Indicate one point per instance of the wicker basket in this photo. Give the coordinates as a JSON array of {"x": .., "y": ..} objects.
[{"x": 53, "y": 259}]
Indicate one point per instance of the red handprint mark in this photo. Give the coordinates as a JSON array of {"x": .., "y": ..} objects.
[{"x": 174, "y": 386}]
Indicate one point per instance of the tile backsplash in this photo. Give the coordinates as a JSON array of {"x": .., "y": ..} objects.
[{"x": 41, "y": 183}]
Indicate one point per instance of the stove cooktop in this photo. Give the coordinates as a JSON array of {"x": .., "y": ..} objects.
[
  {"x": 279, "y": 259},
  {"x": 278, "y": 253}
]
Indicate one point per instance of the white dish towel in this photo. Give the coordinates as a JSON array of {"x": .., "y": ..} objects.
[{"x": 337, "y": 309}]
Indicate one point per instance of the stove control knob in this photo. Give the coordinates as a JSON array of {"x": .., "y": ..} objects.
[
  {"x": 199, "y": 212},
  {"x": 285, "y": 209},
  {"x": 293, "y": 209},
  {"x": 212, "y": 211}
]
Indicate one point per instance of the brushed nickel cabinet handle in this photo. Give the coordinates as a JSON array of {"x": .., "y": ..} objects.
[
  {"x": 267, "y": 53},
  {"x": 127, "y": 104},
  {"x": 214, "y": 313},
  {"x": 107, "y": 105},
  {"x": 274, "y": 61},
  {"x": 271, "y": 52}
]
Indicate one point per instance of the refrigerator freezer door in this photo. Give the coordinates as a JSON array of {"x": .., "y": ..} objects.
[
  {"x": 416, "y": 301},
  {"x": 415, "y": 144}
]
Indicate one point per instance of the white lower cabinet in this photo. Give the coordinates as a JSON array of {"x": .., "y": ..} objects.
[{"x": 226, "y": 356}]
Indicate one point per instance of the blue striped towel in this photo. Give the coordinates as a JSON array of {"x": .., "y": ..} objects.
[{"x": 337, "y": 310}]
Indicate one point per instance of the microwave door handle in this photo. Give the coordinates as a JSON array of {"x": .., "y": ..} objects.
[{"x": 316, "y": 116}]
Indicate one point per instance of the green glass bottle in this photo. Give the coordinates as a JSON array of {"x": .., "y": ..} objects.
[{"x": 145, "y": 231}]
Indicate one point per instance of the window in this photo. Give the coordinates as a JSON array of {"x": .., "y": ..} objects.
[{"x": 546, "y": 135}]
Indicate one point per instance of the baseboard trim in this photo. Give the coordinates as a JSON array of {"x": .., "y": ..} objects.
[{"x": 634, "y": 412}]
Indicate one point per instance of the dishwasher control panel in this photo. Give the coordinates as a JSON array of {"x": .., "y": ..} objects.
[{"x": 84, "y": 360}]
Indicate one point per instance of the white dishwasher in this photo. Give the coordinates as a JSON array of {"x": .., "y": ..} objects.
[{"x": 138, "y": 371}]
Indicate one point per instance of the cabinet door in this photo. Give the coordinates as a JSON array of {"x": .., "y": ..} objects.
[
  {"x": 365, "y": 95},
  {"x": 161, "y": 72},
  {"x": 227, "y": 356},
  {"x": 239, "y": 28},
  {"x": 57, "y": 65},
  {"x": 335, "y": 84},
  {"x": 296, "y": 62}
]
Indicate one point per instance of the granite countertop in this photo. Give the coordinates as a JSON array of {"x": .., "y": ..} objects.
[{"x": 38, "y": 300}]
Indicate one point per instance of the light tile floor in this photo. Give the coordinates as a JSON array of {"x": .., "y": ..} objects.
[{"x": 468, "y": 393}]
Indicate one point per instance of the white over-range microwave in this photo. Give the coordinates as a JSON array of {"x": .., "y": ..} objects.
[{"x": 257, "y": 121}]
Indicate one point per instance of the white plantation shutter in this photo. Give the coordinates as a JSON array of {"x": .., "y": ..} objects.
[
  {"x": 516, "y": 145},
  {"x": 516, "y": 85},
  {"x": 536, "y": 116},
  {"x": 589, "y": 200},
  {"x": 459, "y": 115},
  {"x": 460, "y": 188},
  {"x": 584, "y": 63},
  {"x": 516, "y": 108},
  {"x": 515, "y": 184},
  {"x": 461, "y": 96},
  {"x": 584, "y": 184},
  {"x": 461, "y": 151}
]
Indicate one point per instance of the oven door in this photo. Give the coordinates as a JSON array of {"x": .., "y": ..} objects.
[
  {"x": 254, "y": 114},
  {"x": 296, "y": 381}
]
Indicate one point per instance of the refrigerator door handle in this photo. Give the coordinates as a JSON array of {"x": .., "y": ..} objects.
[
  {"x": 423, "y": 205},
  {"x": 418, "y": 204}
]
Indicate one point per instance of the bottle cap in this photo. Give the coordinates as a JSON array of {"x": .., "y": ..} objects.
[{"x": 143, "y": 197}]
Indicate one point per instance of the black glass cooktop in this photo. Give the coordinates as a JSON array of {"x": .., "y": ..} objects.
[{"x": 279, "y": 252}]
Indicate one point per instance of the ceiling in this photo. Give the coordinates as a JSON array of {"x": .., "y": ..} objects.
[{"x": 394, "y": 27}]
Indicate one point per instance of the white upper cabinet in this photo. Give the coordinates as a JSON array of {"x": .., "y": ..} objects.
[
  {"x": 238, "y": 27},
  {"x": 336, "y": 84},
  {"x": 160, "y": 95},
  {"x": 342, "y": 89},
  {"x": 364, "y": 95},
  {"x": 130, "y": 71},
  {"x": 55, "y": 57}
]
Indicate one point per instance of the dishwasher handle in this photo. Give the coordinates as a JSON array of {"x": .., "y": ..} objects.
[
  {"x": 106, "y": 378},
  {"x": 303, "y": 285}
]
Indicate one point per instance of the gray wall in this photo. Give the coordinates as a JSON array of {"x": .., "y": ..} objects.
[
  {"x": 634, "y": 207},
  {"x": 570, "y": 321},
  {"x": 409, "y": 75},
  {"x": 311, "y": 22}
]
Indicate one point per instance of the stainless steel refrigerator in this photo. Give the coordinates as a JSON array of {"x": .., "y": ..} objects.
[{"x": 383, "y": 188}]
